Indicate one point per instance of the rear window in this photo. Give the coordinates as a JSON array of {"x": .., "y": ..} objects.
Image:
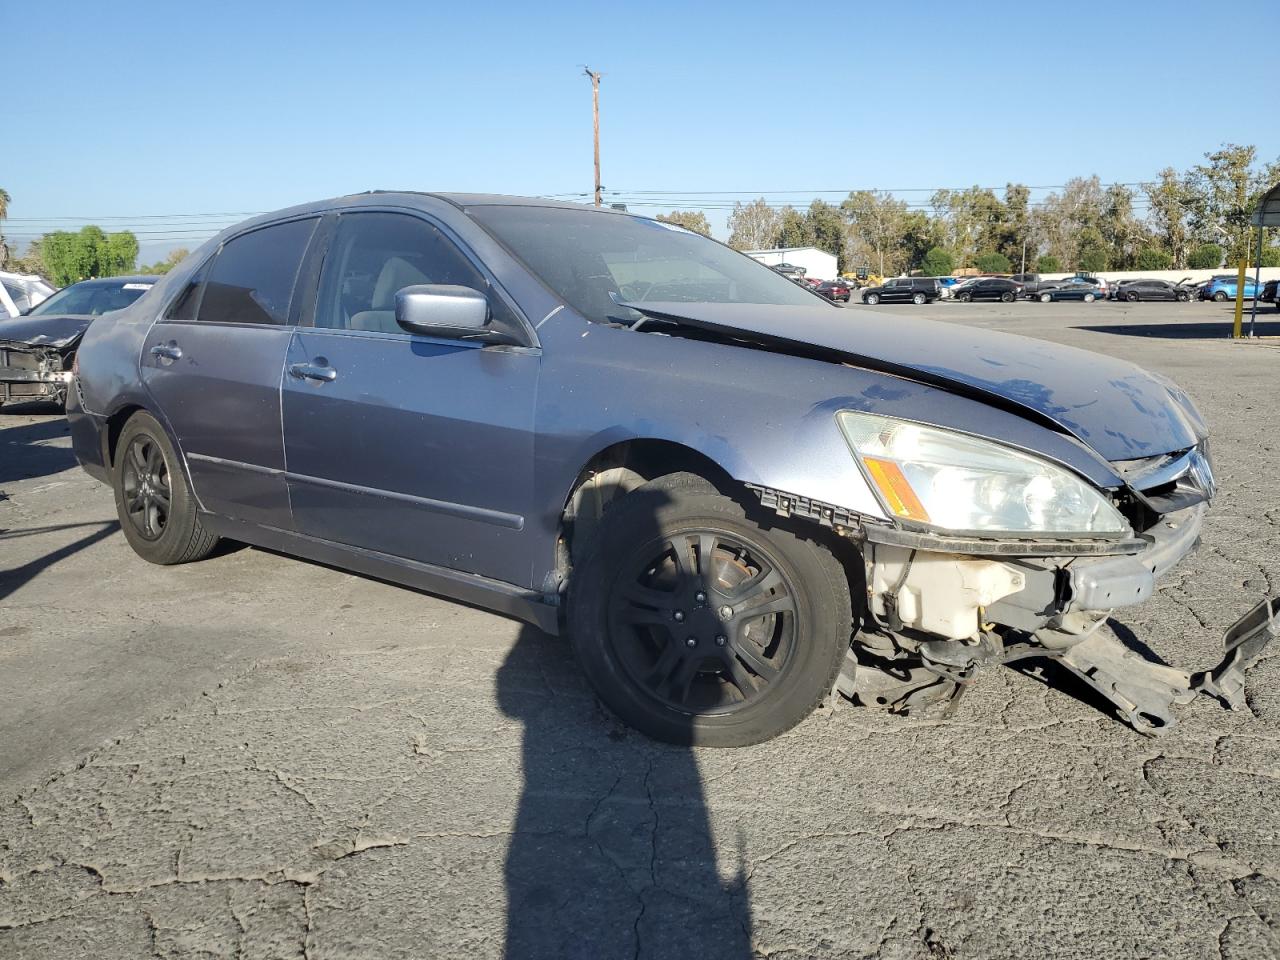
[{"x": 253, "y": 277}]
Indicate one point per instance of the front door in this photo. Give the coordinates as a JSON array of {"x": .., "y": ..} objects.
[
  {"x": 413, "y": 446},
  {"x": 213, "y": 364}
]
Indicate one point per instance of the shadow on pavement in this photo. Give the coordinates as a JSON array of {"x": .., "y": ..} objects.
[
  {"x": 11, "y": 580},
  {"x": 24, "y": 455},
  {"x": 1190, "y": 330},
  {"x": 613, "y": 852}
]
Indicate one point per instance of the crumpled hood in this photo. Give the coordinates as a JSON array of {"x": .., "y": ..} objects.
[
  {"x": 54, "y": 330},
  {"x": 1117, "y": 408}
]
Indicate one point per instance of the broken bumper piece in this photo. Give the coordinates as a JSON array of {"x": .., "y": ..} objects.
[{"x": 1145, "y": 692}]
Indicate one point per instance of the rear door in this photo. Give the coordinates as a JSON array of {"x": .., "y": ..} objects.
[
  {"x": 213, "y": 364},
  {"x": 414, "y": 446}
]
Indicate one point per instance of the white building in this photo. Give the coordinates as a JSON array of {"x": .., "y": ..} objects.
[{"x": 816, "y": 263}]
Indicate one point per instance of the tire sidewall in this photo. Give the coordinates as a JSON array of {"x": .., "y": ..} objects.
[{"x": 822, "y": 620}]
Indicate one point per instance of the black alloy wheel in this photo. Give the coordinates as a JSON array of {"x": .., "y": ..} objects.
[
  {"x": 1007, "y": 296},
  {"x": 1131, "y": 297},
  {"x": 703, "y": 622},
  {"x": 145, "y": 484}
]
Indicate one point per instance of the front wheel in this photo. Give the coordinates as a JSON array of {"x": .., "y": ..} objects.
[
  {"x": 1045, "y": 298},
  {"x": 1007, "y": 297},
  {"x": 871, "y": 299},
  {"x": 1131, "y": 297},
  {"x": 1184, "y": 298},
  {"x": 918, "y": 299},
  {"x": 965, "y": 298},
  {"x": 696, "y": 625},
  {"x": 156, "y": 509}
]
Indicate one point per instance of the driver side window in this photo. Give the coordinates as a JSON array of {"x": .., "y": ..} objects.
[{"x": 372, "y": 256}]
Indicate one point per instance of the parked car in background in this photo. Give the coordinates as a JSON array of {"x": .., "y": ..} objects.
[
  {"x": 1224, "y": 287},
  {"x": 19, "y": 292},
  {"x": 37, "y": 348},
  {"x": 917, "y": 290},
  {"x": 1135, "y": 290},
  {"x": 1269, "y": 294},
  {"x": 1068, "y": 291},
  {"x": 788, "y": 270},
  {"x": 837, "y": 290},
  {"x": 728, "y": 496},
  {"x": 989, "y": 288}
]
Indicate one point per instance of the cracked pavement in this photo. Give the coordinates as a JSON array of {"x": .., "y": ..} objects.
[{"x": 255, "y": 756}]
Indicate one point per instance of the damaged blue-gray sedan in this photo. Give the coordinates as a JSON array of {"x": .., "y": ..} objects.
[{"x": 734, "y": 497}]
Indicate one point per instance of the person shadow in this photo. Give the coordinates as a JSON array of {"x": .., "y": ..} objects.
[{"x": 613, "y": 852}]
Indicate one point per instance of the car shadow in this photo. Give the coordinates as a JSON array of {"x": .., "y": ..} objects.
[
  {"x": 612, "y": 850},
  {"x": 25, "y": 453},
  {"x": 1188, "y": 330},
  {"x": 17, "y": 577}
]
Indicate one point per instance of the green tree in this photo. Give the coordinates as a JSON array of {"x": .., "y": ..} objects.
[
  {"x": 168, "y": 263},
  {"x": 4, "y": 213},
  {"x": 793, "y": 228},
  {"x": 694, "y": 220},
  {"x": 1270, "y": 257},
  {"x": 1167, "y": 207},
  {"x": 1223, "y": 193},
  {"x": 1093, "y": 250},
  {"x": 1048, "y": 263},
  {"x": 937, "y": 263},
  {"x": 993, "y": 262},
  {"x": 72, "y": 257},
  {"x": 1153, "y": 258},
  {"x": 825, "y": 226},
  {"x": 754, "y": 226},
  {"x": 875, "y": 224},
  {"x": 1207, "y": 256},
  {"x": 1122, "y": 232}
]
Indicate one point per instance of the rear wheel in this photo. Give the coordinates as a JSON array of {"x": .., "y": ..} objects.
[
  {"x": 156, "y": 509},
  {"x": 1007, "y": 297},
  {"x": 918, "y": 299},
  {"x": 696, "y": 625},
  {"x": 871, "y": 298},
  {"x": 1220, "y": 297},
  {"x": 1089, "y": 298}
]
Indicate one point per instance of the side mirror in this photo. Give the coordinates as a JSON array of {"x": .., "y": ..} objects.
[{"x": 442, "y": 310}]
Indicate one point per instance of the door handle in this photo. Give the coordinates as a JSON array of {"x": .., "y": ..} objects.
[
  {"x": 320, "y": 371},
  {"x": 167, "y": 351}
]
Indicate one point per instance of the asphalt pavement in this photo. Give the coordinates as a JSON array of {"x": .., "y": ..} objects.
[{"x": 256, "y": 756}]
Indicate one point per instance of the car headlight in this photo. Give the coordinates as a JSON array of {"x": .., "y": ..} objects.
[{"x": 957, "y": 482}]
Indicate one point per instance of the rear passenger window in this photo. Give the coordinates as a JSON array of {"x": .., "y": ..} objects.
[
  {"x": 374, "y": 255},
  {"x": 253, "y": 277}
]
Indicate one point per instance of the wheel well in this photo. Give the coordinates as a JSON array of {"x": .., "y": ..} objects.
[{"x": 115, "y": 424}]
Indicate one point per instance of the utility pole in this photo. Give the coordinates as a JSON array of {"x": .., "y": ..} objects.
[{"x": 595, "y": 122}]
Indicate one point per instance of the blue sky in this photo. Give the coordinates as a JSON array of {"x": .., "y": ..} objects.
[{"x": 162, "y": 109}]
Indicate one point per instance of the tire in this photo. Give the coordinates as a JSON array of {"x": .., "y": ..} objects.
[
  {"x": 1184, "y": 298},
  {"x": 166, "y": 530},
  {"x": 871, "y": 299},
  {"x": 723, "y": 678},
  {"x": 1131, "y": 297},
  {"x": 1089, "y": 298},
  {"x": 1046, "y": 297},
  {"x": 1220, "y": 297},
  {"x": 919, "y": 299},
  {"x": 1007, "y": 297},
  {"x": 965, "y": 298}
]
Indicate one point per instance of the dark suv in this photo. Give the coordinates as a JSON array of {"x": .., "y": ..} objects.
[
  {"x": 904, "y": 290},
  {"x": 989, "y": 288}
]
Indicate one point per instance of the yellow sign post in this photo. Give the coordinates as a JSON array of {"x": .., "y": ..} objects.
[{"x": 1237, "y": 332}]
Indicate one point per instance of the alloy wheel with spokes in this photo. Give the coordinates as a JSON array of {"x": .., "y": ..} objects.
[
  {"x": 145, "y": 480},
  {"x": 703, "y": 621}
]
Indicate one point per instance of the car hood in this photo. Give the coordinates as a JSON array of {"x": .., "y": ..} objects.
[
  {"x": 1118, "y": 409},
  {"x": 54, "y": 330}
]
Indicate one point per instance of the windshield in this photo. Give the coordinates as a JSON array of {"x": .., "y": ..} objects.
[
  {"x": 93, "y": 298},
  {"x": 597, "y": 261}
]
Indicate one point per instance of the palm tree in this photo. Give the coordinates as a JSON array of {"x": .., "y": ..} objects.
[{"x": 4, "y": 212}]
